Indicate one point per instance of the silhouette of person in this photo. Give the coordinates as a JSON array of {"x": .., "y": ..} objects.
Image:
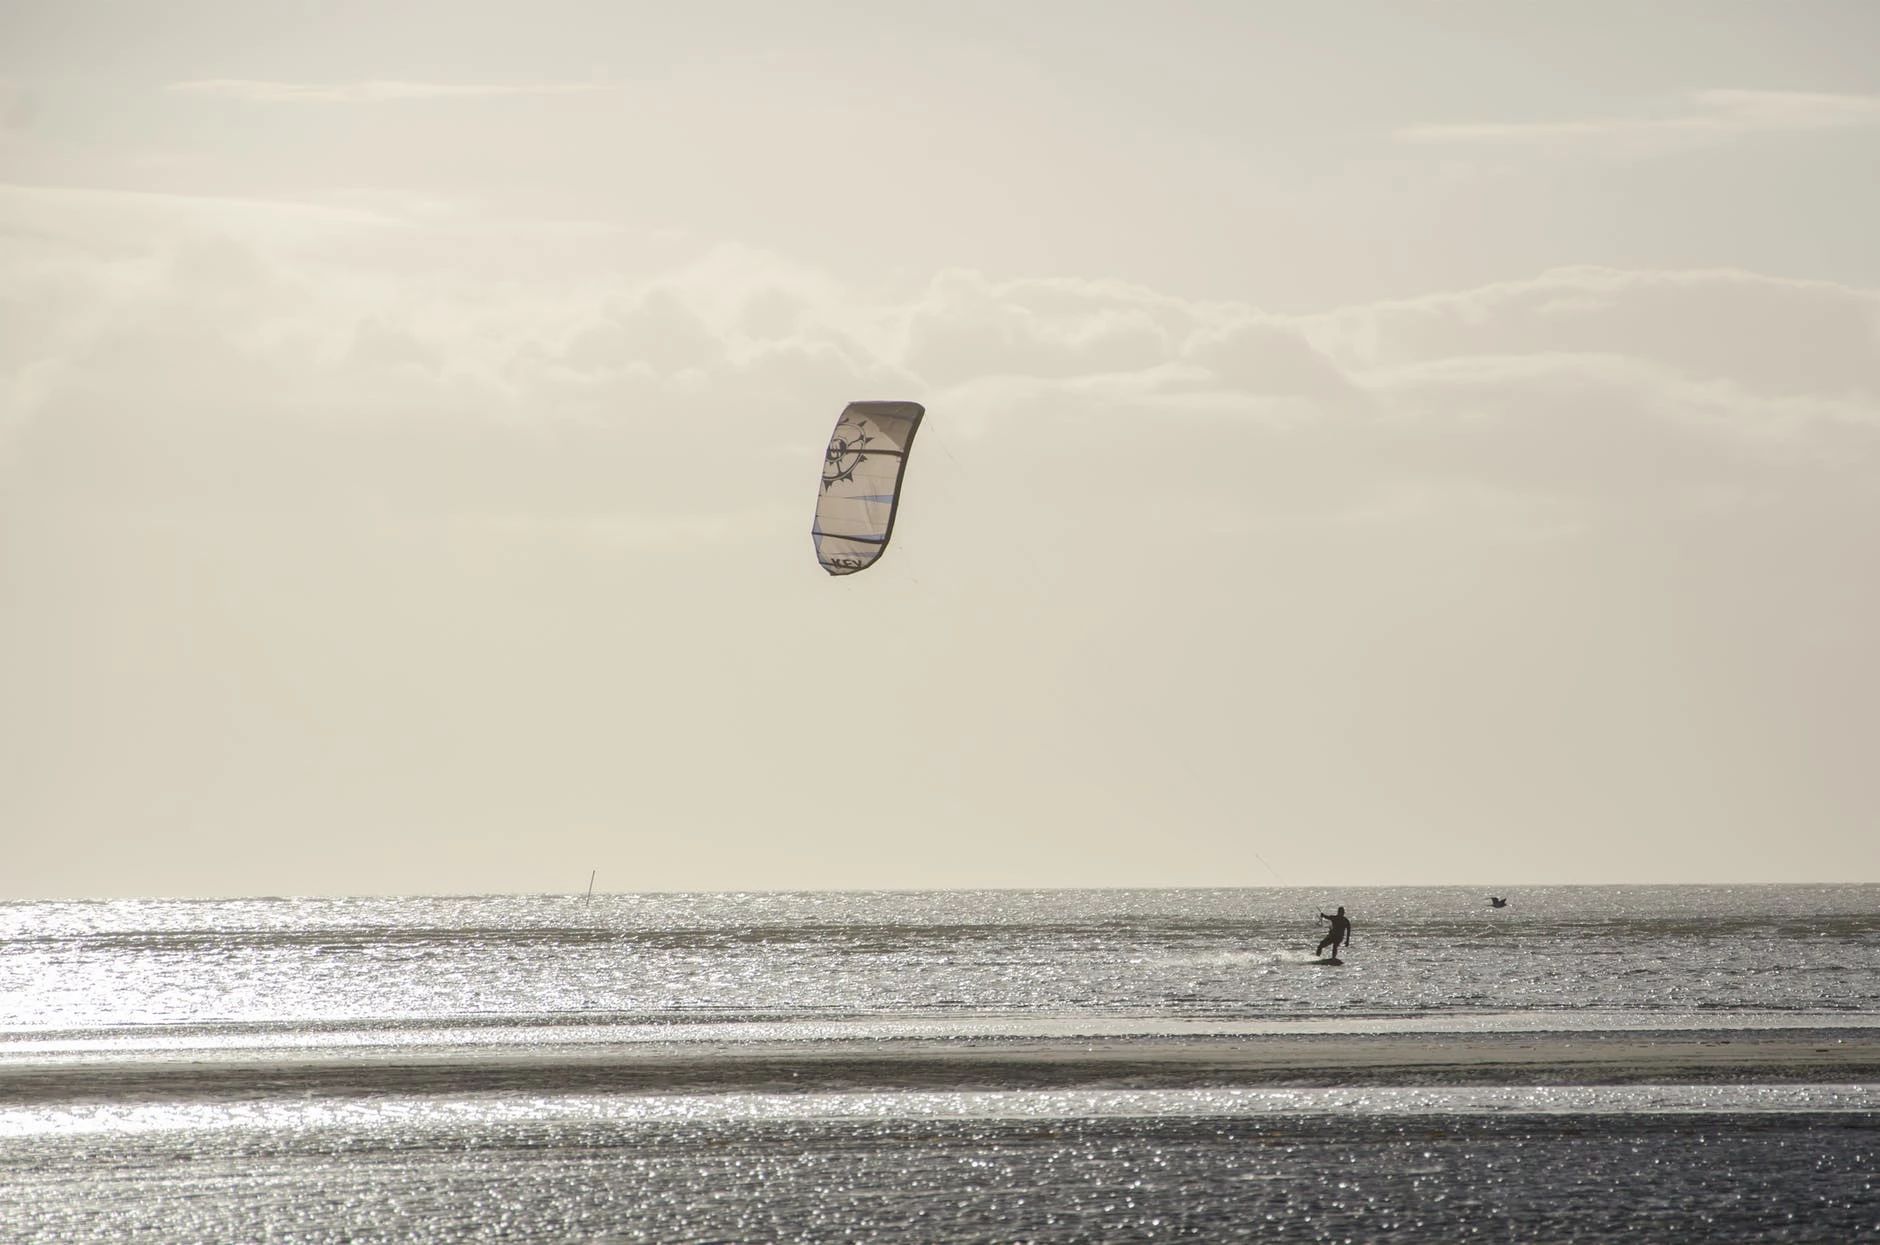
[{"x": 1340, "y": 935}]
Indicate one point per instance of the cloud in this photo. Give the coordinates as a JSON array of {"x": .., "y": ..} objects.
[
  {"x": 218, "y": 367},
  {"x": 1582, "y": 396},
  {"x": 1605, "y": 429},
  {"x": 1710, "y": 115},
  {"x": 1769, "y": 335},
  {"x": 372, "y": 92},
  {"x": 208, "y": 355},
  {"x": 1267, "y": 355},
  {"x": 967, "y": 325}
]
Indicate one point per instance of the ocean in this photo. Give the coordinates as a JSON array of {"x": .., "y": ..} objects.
[{"x": 1588, "y": 1063}]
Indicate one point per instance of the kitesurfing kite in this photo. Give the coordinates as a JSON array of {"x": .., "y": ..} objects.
[{"x": 861, "y": 483}]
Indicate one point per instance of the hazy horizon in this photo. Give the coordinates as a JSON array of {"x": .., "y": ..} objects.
[{"x": 1372, "y": 446}]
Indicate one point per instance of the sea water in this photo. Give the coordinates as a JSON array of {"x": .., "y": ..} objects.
[{"x": 154, "y": 1060}]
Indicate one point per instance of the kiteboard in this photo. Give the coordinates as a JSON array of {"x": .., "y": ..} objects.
[{"x": 1334, "y": 962}]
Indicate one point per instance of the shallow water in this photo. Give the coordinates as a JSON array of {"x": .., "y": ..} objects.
[
  {"x": 1642, "y": 950},
  {"x": 182, "y": 1031}
]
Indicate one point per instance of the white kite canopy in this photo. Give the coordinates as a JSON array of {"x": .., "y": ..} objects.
[{"x": 861, "y": 483}]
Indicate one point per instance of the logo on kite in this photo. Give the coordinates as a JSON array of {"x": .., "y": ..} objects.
[{"x": 844, "y": 454}]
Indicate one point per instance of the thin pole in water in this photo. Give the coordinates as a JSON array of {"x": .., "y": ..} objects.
[{"x": 591, "y": 873}]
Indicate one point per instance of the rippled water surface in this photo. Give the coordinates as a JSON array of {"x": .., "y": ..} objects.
[
  {"x": 155, "y": 1056},
  {"x": 1648, "y": 950},
  {"x": 1638, "y": 1177}
]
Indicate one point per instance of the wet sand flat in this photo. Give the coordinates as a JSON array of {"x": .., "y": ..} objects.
[{"x": 1838, "y": 1056}]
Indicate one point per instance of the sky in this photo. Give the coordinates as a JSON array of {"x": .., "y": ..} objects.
[{"x": 1379, "y": 443}]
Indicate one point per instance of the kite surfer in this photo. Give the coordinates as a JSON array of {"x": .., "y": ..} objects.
[{"x": 1340, "y": 935}]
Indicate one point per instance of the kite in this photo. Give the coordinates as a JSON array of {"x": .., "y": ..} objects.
[{"x": 861, "y": 483}]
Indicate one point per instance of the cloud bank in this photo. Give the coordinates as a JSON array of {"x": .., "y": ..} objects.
[
  {"x": 1584, "y": 379},
  {"x": 375, "y": 92},
  {"x": 1711, "y": 115}
]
